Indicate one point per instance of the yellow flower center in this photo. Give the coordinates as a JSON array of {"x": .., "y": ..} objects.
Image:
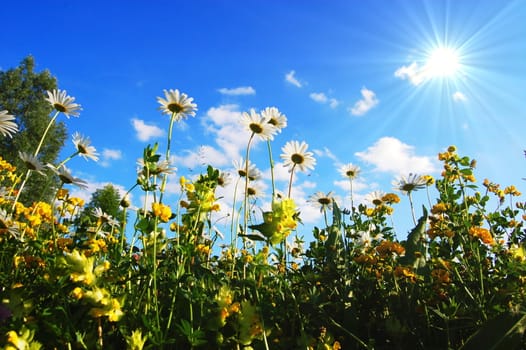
[
  {"x": 324, "y": 201},
  {"x": 174, "y": 107},
  {"x": 256, "y": 128},
  {"x": 60, "y": 107},
  {"x": 297, "y": 158},
  {"x": 82, "y": 149}
]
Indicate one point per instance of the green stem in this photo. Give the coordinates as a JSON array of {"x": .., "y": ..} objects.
[
  {"x": 169, "y": 141},
  {"x": 45, "y": 133},
  {"x": 290, "y": 181},
  {"x": 271, "y": 170},
  {"x": 245, "y": 213}
]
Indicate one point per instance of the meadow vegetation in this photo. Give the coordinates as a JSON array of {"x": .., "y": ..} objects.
[{"x": 161, "y": 277}]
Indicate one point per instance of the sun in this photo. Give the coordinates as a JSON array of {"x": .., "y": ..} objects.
[{"x": 442, "y": 62}]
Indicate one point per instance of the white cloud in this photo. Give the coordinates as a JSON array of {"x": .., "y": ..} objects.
[
  {"x": 459, "y": 97},
  {"x": 391, "y": 155},
  {"x": 223, "y": 123},
  {"x": 414, "y": 73},
  {"x": 146, "y": 131},
  {"x": 367, "y": 102},
  {"x": 205, "y": 155},
  {"x": 292, "y": 79},
  {"x": 325, "y": 152},
  {"x": 319, "y": 97},
  {"x": 108, "y": 155},
  {"x": 241, "y": 90},
  {"x": 333, "y": 103}
]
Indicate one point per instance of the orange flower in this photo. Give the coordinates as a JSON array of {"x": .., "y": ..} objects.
[{"x": 483, "y": 234}]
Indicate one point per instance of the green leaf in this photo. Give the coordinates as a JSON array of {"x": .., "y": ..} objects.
[
  {"x": 501, "y": 333},
  {"x": 414, "y": 245}
]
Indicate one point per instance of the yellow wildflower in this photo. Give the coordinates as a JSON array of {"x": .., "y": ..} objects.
[
  {"x": 162, "y": 211},
  {"x": 511, "y": 190},
  {"x": 136, "y": 340},
  {"x": 483, "y": 234}
]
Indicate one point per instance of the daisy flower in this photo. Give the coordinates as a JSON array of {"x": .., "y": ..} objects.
[
  {"x": 63, "y": 103},
  {"x": 410, "y": 183},
  {"x": 151, "y": 168},
  {"x": 177, "y": 104},
  {"x": 275, "y": 117},
  {"x": 31, "y": 162},
  {"x": 322, "y": 200},
  {"x": 350, "y": 171},
  {"x": 224, "y": 179},
  {"x": 376, "y": 197},
  {"x": 7, "y": 125},
  {"x": 241, "y": 169},
  {"x": 66, "y": 177},
  {"x": 295, "y": 154},
  {"x": 83, "y": 147},
  {"x": 259, "y": 125}
]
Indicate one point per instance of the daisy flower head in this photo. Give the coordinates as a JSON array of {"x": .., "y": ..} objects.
[
  {"x": 295, "y": 154},
  {"x": 63, "y": 103},
  {"x": 224, "y": 179},
  {"x": 154, "y": 168},
  {"x": 350, "y": 171},
  {"x": 375, "y": 197},
  {"x": 66, "y": 177},
  {"x": 275, "y": 117},
  {"x": 177, "y": 104},
  {"x": 7, "y": 126},
  {"x": 322, "y": 200},
  {"x": 241, "y": 169},
  {"x": 408, "y": 184},
  {"x": 255, "y": 190},
  {"x": 258, "y": 125},
  {"x": 31, "y": 162},
  {"x": 84, "y": 148}
]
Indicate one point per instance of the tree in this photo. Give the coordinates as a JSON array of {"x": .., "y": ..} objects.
[
  {"x": 107, "y": 199},
  {"x": 22, "y": 94}
]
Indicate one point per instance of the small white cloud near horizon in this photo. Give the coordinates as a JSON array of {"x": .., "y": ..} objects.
[
  {"x": 459, "y": 97},
  {"x": 367, "y": 102},
  {"x": 145, "y": 131},
  {"x": 241, "y": 90},
  {"x": 289, "y": 77},
  {"x": 108, "y": 155},
  {"x": 390, "y": 155}
]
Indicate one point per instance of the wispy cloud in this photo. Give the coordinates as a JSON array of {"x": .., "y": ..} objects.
[
  {"x": 319, "y": 97},
  {"x": 459, "y": 97},
  {"x": 291, "y": 78},
  {"x": 367, "y": 102},
  {"x": 145, "y": 131},
  {"x": 241, "y": 90},
  {"x": 414, "y": 73},
  {"x": 391, "y": 155},
  {"x": 322, "y": 98},
  {"x": 109, "y": 155}
]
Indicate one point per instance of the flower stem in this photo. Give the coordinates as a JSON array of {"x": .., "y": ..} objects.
[
  {"x": 45, "y": 133},
  {"x": 271, "y": 170},
  {"x": 169, "y": 141},
  {"x": 290, "y": 181}
]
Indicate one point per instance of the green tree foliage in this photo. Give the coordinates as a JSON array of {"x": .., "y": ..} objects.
[
  {"x": 23, "y": 93},
  {"x": 107, "y": 199}
]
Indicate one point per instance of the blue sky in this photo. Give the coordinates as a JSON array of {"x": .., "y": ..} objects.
[{"x": 352, "y": 77}]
